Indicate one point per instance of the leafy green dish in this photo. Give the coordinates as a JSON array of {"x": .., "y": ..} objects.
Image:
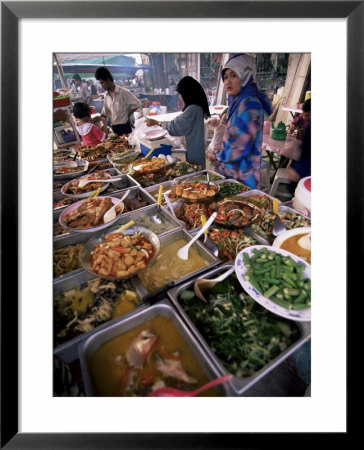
[{"x": 243, "y": 335}]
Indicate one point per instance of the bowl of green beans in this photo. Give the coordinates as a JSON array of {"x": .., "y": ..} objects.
[{"x": 276, "y": 279}]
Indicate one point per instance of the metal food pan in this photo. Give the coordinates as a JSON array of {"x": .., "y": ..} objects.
[
  {"x": 88, "y": 348},
  {"x": 168, "y": 238},
  {"x": 125, "y": 182},
  {"x": 71, "y": 239},
  {"x": 134, "y": 191},
  {"x": 238, "y": 385},
  {"x": 154, "y": 190},
  {"x": 142, "y": 217},
  {"x": 201, "y": 175},
  {"x": 67, "y": 351}
]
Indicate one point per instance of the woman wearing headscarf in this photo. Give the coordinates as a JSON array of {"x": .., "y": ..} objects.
[
  {"x": 240, "y": 155},
  {"x": 191, "y": 122}
]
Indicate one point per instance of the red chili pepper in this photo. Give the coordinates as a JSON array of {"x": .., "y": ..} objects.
[{"x": 119, "y": 249}]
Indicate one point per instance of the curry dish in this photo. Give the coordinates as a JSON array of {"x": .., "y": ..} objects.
[
  {"x": 145, "y": 358},
  {"x": 291, "y": 244},
  {"x": 169, "y": 267}
]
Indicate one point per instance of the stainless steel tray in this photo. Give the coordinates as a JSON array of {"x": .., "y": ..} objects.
[
  {"x": 238, "y": 385},
  {"x": 68, "y": 350},
  {"x": 201, "y": 175},
  {"x": 134, "y": 192},
  {"x": 82, "y": 166},
  {"x": 168, "y": 238},
  {"x": 142, "y": 217},
  {"x": 164, "y": 308},
  {"x": 154, "y": 190},
  {"x": 71, "y": 239}
]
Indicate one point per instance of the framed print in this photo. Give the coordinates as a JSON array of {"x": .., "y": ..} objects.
[{"x": 156, "y": 20}]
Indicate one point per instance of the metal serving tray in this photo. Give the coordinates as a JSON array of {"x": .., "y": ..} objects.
[
  {"x": 125, "y": 182},
  {"x": 134, "y": 191},
  {"x": 238, "y": 385},
  {"x": 142, "y": 216},
  {"x": 154, "y": 190},
  {"x": 164, "y": 308},
  {"x": 82, "y": 166},
  {"x": 201, "y": 175},
  {"x": 168, "y": 238},
  {"x": 71, "y": 239},
  {"x": 67, "y": 351}
]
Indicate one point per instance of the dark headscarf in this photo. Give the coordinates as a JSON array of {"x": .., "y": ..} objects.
[{"x": 193, "y": 94}]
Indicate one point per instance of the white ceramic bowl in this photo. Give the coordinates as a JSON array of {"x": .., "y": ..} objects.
[{"x": 303, "y": 315}]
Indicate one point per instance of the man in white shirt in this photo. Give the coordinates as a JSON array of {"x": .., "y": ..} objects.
[{"x": 119, "y": 103}]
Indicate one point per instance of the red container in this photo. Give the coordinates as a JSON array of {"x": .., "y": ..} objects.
[{"x": 63, "y": 101}]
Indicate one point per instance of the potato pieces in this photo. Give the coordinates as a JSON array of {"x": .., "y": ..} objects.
[{"x": 121, "y": 255}]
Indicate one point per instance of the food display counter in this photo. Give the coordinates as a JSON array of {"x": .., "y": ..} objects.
[{"x": 143, "y": 288}]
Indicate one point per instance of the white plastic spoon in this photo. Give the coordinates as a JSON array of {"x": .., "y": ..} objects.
[
  {"x": 83, "y": 182},
  {"x": 111, "y": 213},
  {"x": 183, "y": 252}
]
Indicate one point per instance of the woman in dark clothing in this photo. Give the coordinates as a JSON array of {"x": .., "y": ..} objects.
[{"x": 191, "y": 122}]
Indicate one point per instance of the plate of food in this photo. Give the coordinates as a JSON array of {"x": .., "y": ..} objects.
[
  {"x": 196, "y": 191},
  {"x": 236, "y": 213},
  {"x": 297, "y": 241},
  {"x": 286, "y": 291},
  {"x": 147, "y": 165},
  {"x": 69, "y": 170},
  {"x": 87, "y": 215},
  {"x": 72, "y": 188},
  {"x": 63, "y": 155},
  {"x": 153, "y": 135},
  {"x": 114, "y": 254}
]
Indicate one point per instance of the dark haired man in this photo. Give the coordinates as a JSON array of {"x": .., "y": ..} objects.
[{"x": 119, "y": 103}]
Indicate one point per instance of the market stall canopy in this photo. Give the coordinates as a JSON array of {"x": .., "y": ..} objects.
[{"x": 87, "y": 63}]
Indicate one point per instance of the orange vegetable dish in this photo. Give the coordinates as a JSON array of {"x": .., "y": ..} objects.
[
  {"x": 196, "y": 191},
  {"x": 120, "y": 255}
]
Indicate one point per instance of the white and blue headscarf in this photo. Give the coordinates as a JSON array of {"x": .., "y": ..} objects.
[{"x": 244, "y": 66}]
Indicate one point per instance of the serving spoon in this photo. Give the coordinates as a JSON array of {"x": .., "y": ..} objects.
[
  {"x": 111, "y": 213},
  {"x": 85, "y": 181},
  {"x": 278, "y": 225},
  {"x": 171, "y": 392},
  {"x": 182, "y": 223},
  {"x": 201, "y": 285},
  {"x": 183, "y": 251},
  {"x": 155, "y": 217}
]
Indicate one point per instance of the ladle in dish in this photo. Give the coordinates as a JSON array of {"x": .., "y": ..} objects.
[
  {"x": 111, "y": 213},
  {"x": 183, "y": 252},
  {"x": 278, "y": 225},
  {"x": 171, "y": 392},
  {"x": 202, "y": 285},
  {"x": 155, "y": 218},
  {"x": 85, "y": 181},
  {"x": 182, "y": 223}
]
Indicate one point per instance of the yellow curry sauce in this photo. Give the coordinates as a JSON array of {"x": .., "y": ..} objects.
[
  {"x": 107, "y": 376},
  {"x": 291, "y": 245},
  {"x": 169, "y": 267}
]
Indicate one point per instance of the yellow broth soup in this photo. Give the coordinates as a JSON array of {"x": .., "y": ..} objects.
[
  {"x": 134, "y": 364},
  {"x": 291, "y": 244},
  {"x": 169, "y": 267}
]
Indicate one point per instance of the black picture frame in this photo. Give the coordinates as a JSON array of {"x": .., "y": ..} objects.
[{"x": 11, "y": 12}]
